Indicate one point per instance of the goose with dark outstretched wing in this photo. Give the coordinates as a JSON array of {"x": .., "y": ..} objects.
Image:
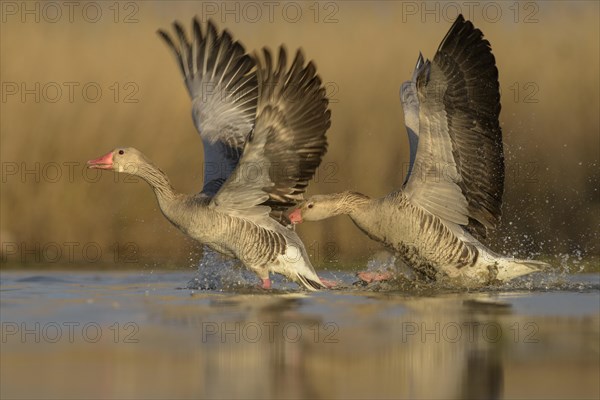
[
  {"x": 453, "y": 191},
  {"x": 263, "y": 125}
]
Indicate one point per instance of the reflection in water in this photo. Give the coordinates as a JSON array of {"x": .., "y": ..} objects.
[
  {"x": 483, "y": 378},
  {"x": 282, "y": 346},
  {"x": 343, "y": 344},
  {"x": 261, "y": 342}
]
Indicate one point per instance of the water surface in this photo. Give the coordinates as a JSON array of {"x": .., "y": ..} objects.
[{"x": 148, "y": 335}]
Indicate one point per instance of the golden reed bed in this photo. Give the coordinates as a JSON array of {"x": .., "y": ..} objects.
[{"x": 73, "y": 88}]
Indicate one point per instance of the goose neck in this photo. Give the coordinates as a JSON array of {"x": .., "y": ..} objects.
[
  {"x": 158, "y": 181},
  {"x": 352, "y": 203}
]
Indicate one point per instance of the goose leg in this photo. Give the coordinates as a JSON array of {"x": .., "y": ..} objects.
[
  {"x": 263, "y": 274},
  {"x": 329, "y": 283},
  {"x": 266, "y": 283},
  {"x": 369, "y": 276}
]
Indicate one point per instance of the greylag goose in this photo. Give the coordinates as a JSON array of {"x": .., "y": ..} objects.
[
  {"x": 453, "y": 192},
  {"x": 263, "y": 130}
]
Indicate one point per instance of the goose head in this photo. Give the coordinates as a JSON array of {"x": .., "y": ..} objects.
[
  {"x": 316, "y": 208},
  {"x": 123, "y": 159}
]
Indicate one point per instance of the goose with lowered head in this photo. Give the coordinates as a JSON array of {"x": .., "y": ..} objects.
[{"x": 453, "y": 190}]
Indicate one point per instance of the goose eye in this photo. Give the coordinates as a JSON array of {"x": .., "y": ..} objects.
[
  {"x": 311, "y": 205},
  {"x": 121, "y": 152}
]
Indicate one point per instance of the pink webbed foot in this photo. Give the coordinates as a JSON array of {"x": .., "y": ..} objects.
[
  {"x": 369, "y": 276},
  {"x": 266, "y": 283},
  {"x": 329, "y": 283}
]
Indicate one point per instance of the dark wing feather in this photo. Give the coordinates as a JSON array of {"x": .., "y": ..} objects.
[
  {"x": 459, "y": 107},
  {"x": 287, "y": 144},
  {"x": 223, "y": 86},
  {"x": 301, "y": 118}
]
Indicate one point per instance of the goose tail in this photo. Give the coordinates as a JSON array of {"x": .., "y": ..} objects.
[
  {"x": 509, "y": 268},
  {"x": 311, "y": 283}
]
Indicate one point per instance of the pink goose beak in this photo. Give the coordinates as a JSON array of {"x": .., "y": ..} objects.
[
  {"x": 295, "y": 216},
  {"x": 104, "y": 162}
]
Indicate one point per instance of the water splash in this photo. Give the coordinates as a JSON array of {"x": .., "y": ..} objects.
[
  {"x": 386, "y": 261},
  {"x": 217, "y": 272},
  {"x": 565, "y": 274},
  {"x": 220, "y": 273}
]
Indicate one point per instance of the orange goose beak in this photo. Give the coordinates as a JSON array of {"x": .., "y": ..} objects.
[
  {"x": 295, "y": 216},
  {"x": 104, "y": 162}
]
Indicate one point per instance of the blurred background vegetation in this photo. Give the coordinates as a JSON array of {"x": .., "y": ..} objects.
[{"x": 53, "y": 119}]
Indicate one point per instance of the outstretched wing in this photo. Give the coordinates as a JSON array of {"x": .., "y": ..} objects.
[
  {"x": 288, "y": 141},
  {"x": 223, "y": 86},
  {"x": 458, "y": 173}
]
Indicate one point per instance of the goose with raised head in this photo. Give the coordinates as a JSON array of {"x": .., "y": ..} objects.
[
  {"x": 453, "y": 191},
  {"x": 263, "y": 129}
]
